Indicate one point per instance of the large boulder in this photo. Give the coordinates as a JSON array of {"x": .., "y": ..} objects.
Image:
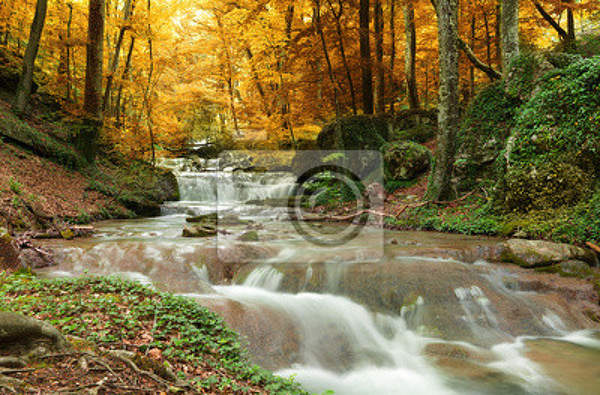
[
  {"x": 483, "y": 133},
  {"x": 359, "y": 132},
  {"x": 405, "y": 160},
  {"x": 538, "y": 253}
]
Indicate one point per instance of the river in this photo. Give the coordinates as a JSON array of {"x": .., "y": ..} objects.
[{"x": 384, "y": 313}]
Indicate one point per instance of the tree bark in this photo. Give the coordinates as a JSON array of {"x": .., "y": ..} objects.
[
  {"x": 365, "y": 57},
  {"x": 338, "y": 25},
  {"x": 26, "y": 80},
  {"x": 123, "y": 77},
  {"x": 114, "y": 64},
  {"x": 380, "y": 71},
  {"x": 95, "y": 49},
  {"x": 564, "y": 35},
  {"x": 410, "y": 55},
  {"x": 92, "y": 103},
  {"x": 440, "y": 187},
  {"x": 510, "y": 32},
  {"x": 570, "y": 23},
  {"x": 392, "y": 8}
]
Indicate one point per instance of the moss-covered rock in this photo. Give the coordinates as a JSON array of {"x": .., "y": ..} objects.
[
  {"x": 537, "y": 253},
  {"x": 419, "y": 134},
  {"x": 548, "y": 185},
  {"x": 525, "y": 72},
  {"x": 482, "y": 136},
  {"x": 357, "y": 133},
  {"x": 250, "y": 235},
  {"x": 405, "y": 160}
]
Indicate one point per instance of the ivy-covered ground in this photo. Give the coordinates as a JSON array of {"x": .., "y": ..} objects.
[{"x": 120, "y": 315}]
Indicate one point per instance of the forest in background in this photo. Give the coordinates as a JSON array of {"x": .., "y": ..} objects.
[{"x": 176, "y": 70}]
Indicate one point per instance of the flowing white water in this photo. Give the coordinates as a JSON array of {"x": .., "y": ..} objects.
[{"x": 370, "y": 339}]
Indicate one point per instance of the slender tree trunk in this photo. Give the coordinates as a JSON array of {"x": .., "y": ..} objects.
[
  {"x": 338, "y": 25},
  {"x": 148, "y": 94},
  {"x": 426, "y": 87},
  {"x": 124, "y": 76},
  {"x": 510, "y": 32},
  {"x": 410, "y": 56},
  {"x": 392, "y": 8},
  {"x": 448, "y": 109},
  {"x": 498, "y": 34},
  {"x": 286, "y": 105},
  {"x": 229, "y": 79},
  {"x": 570, "y": 24},
  {"x": 255, "y": 77},
  {"x": 472, "y": 69},
  {"x": 114, "y": 64},
  {"x": 380, "y": 71},
  {"x": 26, "y": 80},
  {"x": 488, "y": 40},
  {"x": 365, "y": 57},
  {"x": 68, "y": 65}
]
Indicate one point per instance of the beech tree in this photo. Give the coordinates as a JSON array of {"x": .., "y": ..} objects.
[
  {"x": 26, "y": 80},
  {"x": 93, "y": 80},
  {"x": 410, "y": 55},
  {"x": 510, "y": 32},
  {"x": 448, "y": 109}
]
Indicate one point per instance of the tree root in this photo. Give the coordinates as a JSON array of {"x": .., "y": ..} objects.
[
  {"x": 12, "y": 362},
  {"x": 17, "y": 327}
]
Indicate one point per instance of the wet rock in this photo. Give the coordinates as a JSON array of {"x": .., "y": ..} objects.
[
  {"x": 571, "y": 268},
  {"x": 8, "y": 253},
  {"x": 537, "y": 253},
  {"x": 206, "y": 218},
  {"x": 199, "y": 231},
  {"x": 251, "y": 235},
  {"x": 35, "y": 259}
]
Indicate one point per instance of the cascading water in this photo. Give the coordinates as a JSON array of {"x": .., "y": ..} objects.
[{"x": 417, "y": 321}]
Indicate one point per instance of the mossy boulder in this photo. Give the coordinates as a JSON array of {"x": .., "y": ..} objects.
[
  {"x": 552, "y": 157},
  {"x": 405, "y": 160},
  {"x": 524, "y": 74},
  {"x": 360, "y": 132},
  {"x": 483, "y": 133},
  {"x": 251, "y": 235},
  {"x": 199, "y": 231},
  {"x": 538, "y": 253},
  {"x": 548, "y": 185},
  {"x": 418, "y": 134}
]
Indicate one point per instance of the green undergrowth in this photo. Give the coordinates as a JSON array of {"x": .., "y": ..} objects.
[
  {"x": 21, "y": 133},
  {"x": 113, "y": 313},
  {"x": 476, "y": 216}
]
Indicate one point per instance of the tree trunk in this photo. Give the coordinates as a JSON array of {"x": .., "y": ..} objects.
[
  {"x": 338, "y": 25},
  {"x": 510, "y": 32},
  {"x": 392, "y": 8},
  {"x": 410, "y": 56},
  {"x": 256, "y": 78},
  {"x": 95, "y": 49},
  {"x": 114, "y": 64},
  {"x": 498, "y": 34},
  {"x": 26, "y": 80},
  {"x": 68, "y": 65},
  {"x": 92, "y": 103},
  {"x": 380, "y": 72},
  {"x": 570, "y": 24},
  {"x": 472, "y": 69},
  {"x": 448, "y": 109},
  {"x": 148, "y": 93},
  {"x": 123, "y": 77},
  {"x": 365, "y": 58}
]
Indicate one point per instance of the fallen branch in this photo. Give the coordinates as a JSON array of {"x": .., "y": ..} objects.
[
  {"x": 120, "y": 356},
  {"x": 593, "y": 246}
]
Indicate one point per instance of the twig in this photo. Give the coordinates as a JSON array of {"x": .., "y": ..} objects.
[
  {"x": 11, "y": 371},
  {"x": 593, "y": 246},
  {"x": 136, "y": 369}
]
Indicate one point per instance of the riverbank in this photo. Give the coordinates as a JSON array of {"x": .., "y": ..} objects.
[
  {"x": 46, "y": 184},
  {"x": 188, "y": 347}
]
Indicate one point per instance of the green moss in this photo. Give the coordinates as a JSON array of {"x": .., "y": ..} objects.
[
  {"x": 405, "y": 160},
  {"x": 418, "y": 134},
  {"x": 483, "y": 133},
  {"x": 357, "y": 133},
  {"x": 548, "y": 185}
]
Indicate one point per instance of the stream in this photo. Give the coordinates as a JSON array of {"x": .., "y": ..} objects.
[{"x": 384, "y": 313}]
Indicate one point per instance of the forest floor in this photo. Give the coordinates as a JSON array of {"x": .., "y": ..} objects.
[{"x": 127, "y": 338}]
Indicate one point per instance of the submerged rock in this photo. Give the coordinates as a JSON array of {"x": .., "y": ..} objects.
[
  {"x": 536, "y": 253},
  {"x": 199, "y": 231},
  {"x": 251, "y": 235}
]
